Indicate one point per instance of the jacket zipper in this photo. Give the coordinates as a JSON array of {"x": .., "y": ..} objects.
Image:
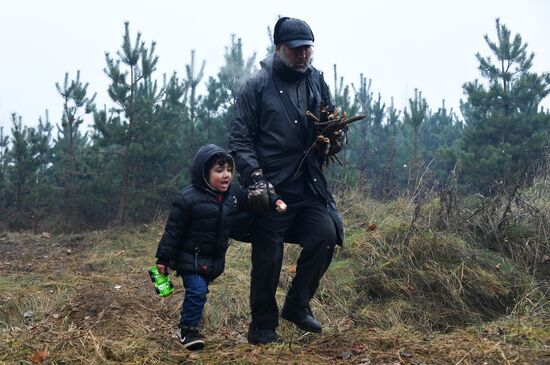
[{"x": 197, "y": 250}]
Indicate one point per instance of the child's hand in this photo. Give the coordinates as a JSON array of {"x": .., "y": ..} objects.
[
  {"x": 162, "y": 269},
  {"x": 280, "y": 206}
]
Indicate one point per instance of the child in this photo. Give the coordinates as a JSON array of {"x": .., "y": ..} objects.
[{"x": 197, "y": 232}]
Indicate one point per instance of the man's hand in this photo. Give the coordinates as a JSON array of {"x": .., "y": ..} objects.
[{"x": 261, "y": 194}]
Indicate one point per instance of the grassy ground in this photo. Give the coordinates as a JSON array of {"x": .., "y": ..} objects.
[{"x": 398, "y": 293}]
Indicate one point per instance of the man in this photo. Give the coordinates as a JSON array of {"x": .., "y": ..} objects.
[{"x": 271, "y": 139}]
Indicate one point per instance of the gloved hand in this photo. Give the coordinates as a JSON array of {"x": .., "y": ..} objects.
[
  {"x": 340, "y": 138},
  {"x": 261, "y": 194},
  {"x": 330, "y": 146}
]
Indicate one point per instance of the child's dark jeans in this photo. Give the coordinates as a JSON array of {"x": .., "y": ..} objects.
[{"x": 196, "y": 288}]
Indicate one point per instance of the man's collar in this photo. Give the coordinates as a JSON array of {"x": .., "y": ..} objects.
[{"x": 286, "y": 72}]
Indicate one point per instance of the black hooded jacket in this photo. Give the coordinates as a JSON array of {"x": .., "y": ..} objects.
[
  {"x": 196, "y": 234},
  {"x": 271, "y": 133}
]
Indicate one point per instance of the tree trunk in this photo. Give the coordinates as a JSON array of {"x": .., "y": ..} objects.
[
  {"x": 69, "y": 173},
  {"x": 414, "y": 164},
  {"x": 363, "y": 153},
  {"x": 121, "y": 215}
]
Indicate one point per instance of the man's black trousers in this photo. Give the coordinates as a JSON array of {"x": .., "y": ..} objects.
[{"x": 310, "y": 221}]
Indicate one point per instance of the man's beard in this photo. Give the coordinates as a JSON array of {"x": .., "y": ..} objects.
[{"x": 296, "y": 68}]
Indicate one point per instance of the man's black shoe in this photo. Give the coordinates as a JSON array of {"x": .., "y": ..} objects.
[
  {"x": 191, "y": 339},
  {"x": 258, "y": 336},
  {"x": 301, "y": 317}
]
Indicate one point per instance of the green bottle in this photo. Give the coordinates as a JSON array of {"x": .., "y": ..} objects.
[{"x": 162, "y": 283}]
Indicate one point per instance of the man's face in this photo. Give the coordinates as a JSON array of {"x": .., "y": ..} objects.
[
  {"x": 298, "y": 58},
  {"x": 219, "y": 177}
]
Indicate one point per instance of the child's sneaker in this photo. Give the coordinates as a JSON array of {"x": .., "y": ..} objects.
[{"x": 190, "y": 338}]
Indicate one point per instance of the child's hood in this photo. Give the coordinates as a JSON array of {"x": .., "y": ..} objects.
[{"x": 199, "y": 175}]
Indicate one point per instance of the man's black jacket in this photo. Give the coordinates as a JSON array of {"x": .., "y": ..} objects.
[{"x": 268, "y": 132}]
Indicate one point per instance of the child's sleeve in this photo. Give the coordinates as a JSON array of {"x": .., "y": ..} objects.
[{"x": 174, "y": 231}]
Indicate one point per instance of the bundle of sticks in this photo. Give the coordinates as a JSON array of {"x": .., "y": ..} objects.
[{"x": 331, "y": 131}]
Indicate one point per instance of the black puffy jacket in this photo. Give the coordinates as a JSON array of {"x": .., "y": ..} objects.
[
  {"x": 196, "y": 234},
  {"x": 269, "y": 133}
]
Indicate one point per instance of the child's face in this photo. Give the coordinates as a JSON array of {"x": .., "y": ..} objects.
[{"x": 219, "y": 177}]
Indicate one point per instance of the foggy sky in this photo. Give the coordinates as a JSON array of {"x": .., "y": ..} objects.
[{"x": 400, "y": 45}]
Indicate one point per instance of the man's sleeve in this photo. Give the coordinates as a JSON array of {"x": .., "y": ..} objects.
[
  {"x": 174, "y": 231},
  {"x": 243, "y": 130}
]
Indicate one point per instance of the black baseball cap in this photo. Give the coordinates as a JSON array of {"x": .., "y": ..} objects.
[{"x": 292, "y": 32}]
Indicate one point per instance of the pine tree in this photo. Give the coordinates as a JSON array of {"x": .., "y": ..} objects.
[
  {"x": 20, "y": 168},
  {"x": 224, "y": 89},
  {"x": 193, "y": 128},
  {"x": 440, "y": 129},
  {"x": 414, "y": 118},
  {"x": 4, "y": 149},
  {"x": 377, "y": 143},
  {"x": 439, "y": 137},
  {"x": 134, "y": 91},
  {"x": 103, "y": 164},
  {"x": 363, "y": 97},
  {"x": 70, "y": 141},
  {"x": 192, "y": 81},
  {"x": 212, "y": 113},
  {"x": 28, "y": 170},
  {"x": 174, "y": 151},
  {"x": 505, "y": 133},
  {"x": 42, "y": 186},
  {"x": 167, "y": 148},
  {"x": 389, "y": 148},
  {"x": 236, "y": 70}
]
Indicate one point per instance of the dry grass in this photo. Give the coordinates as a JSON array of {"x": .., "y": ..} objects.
[{"x": 440, "y": 299}]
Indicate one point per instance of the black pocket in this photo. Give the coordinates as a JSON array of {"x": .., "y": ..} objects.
[{"x": 204, "y": 265}]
